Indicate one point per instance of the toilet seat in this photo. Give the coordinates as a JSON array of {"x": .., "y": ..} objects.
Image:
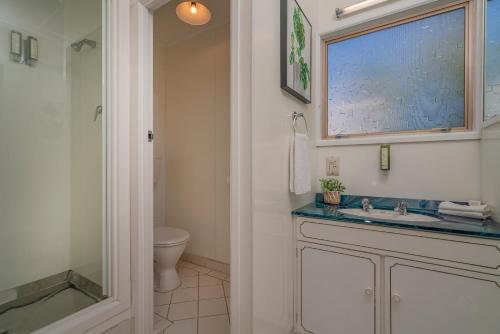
[{"x": 169, "y": 236}]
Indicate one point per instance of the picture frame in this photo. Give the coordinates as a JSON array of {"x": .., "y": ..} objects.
[{"x": 296, "y": 51}]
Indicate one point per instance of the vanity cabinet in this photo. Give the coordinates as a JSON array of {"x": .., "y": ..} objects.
[
  {"x": 423, "y": 298},
  {"x": 356, "y": 278},
  {"x": 322, "y": 286}
]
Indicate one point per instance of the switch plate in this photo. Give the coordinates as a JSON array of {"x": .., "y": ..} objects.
[{"x": 332, "y": 166}]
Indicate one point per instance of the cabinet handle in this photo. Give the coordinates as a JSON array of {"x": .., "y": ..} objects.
[
  {"x": 396, "y": 298},
  {"x": 368, "y": 291}
]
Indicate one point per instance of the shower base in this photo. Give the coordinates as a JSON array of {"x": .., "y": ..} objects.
[{"x": 38, "y": 304}]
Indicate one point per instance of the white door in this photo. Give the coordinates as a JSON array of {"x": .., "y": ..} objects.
[
  {"x": 337, "y": 291},
  {"x": 431, "y": 299}
]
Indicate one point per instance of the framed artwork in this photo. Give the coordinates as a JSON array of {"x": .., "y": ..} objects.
[{"x": 296, "y": 45}]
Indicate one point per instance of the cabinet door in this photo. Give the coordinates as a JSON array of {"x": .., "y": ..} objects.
[
  {"x": 337, "y": 291},
  {"x": 424, "y": 298}
]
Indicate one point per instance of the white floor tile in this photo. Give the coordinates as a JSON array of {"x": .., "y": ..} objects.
[
  {"x": 160, "y": 324},
  {"x": 162, "y": 311},
  {"x": 201, "y": 269},
  {"x": 211, "y": 292},
  {"x": 161, "y": 298},
  {"x": 186, "y": 272},
  {"x": 206, "y": 280},
  {"x": 210, "y": 307},
  {"x": 183, "y": 327},
  {"x": 183, "y": 311},
  {"x": 187, "y": 265},
  {"x": 227, "y": 289},
  {"x": 214, "y": 325},
  {"x": 189, "y": 282},
  {"x": 184, "y": 295},
  {"x": 218, "y": 274}
]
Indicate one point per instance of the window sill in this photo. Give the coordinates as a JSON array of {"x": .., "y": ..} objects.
[{"x": 393, "y": 139}]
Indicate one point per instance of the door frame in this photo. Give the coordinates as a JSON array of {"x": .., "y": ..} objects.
[{"x": 240, "y": 164}]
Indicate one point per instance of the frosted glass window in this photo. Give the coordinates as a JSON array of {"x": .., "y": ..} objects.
[
  {"x": 402, "y": 78},
  {"x": 492, "y": 70}
]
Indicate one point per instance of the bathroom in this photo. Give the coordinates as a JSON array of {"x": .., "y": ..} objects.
[
  {"x": 191, "y": 166},
  {"x": 136, "y": 144}
]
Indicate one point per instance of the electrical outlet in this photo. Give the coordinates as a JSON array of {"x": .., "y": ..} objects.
[{"x": 332, "y": 166}]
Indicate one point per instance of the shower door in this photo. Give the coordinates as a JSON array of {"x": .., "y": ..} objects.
[{"x": 57, "y": 134}]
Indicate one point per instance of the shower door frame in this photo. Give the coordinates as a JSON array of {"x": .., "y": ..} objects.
[
  {"x": 117, "y": 308},
  {"x": 240, "y": 163}
]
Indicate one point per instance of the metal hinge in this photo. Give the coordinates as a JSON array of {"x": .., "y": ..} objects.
[{"x": 151, "y": 136}]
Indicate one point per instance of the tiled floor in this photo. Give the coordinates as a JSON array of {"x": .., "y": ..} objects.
[{"x": 199, "y": 306}]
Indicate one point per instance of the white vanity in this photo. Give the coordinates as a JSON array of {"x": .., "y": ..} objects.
[{"x": 362, "y": 278}]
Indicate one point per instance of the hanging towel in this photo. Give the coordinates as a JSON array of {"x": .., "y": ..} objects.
[{"x": 300, "y": 175}]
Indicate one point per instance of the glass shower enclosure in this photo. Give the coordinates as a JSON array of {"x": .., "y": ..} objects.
[{"x": 53, "y": 226}]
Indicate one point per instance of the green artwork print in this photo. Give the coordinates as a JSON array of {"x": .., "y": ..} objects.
[
  {"x": 296, "y": 36},
  {"x": 298, "y": 44}
]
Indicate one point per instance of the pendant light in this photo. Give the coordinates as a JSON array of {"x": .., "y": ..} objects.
[{"x": 193, "y": 12}]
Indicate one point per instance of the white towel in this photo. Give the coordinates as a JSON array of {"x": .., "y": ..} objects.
[
  {"x": 470, "y": 214},
  {"x": 300, "y": 175},
  {"x": 450, "y": 206}
]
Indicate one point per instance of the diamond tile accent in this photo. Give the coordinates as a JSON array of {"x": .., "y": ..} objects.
[{"x": 199, "y": 306}]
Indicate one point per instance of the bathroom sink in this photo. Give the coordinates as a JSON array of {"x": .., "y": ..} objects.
[{"x": 389, "y": 215}]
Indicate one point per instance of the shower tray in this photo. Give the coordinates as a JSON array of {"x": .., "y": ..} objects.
[{"x": 38, "y": 304}]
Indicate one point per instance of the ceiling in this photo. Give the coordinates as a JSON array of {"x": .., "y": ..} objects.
[{"x": 169, "y": 29}]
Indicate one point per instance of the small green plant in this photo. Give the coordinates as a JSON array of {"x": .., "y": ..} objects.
[{"x": 332, "y": 185}]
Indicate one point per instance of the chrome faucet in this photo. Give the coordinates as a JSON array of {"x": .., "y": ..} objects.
[
  {"x": 366, "y": 205},
  {"x": 402, "y": 208}
]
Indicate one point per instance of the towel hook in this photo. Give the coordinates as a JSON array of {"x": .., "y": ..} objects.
[{"x": 297, "y": 115}]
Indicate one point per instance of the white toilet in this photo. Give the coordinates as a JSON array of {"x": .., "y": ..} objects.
[{"x": 169, "y": 244}]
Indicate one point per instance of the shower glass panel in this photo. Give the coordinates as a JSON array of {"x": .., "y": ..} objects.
[{"x": 53, "y": 224}]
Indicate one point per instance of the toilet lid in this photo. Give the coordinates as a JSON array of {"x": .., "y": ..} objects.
[{"x": 165, "y": 235}]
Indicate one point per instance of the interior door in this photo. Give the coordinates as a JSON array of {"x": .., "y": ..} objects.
[
  {"x": 424, "y": 298},
  {"x": 337, "y": 291}
]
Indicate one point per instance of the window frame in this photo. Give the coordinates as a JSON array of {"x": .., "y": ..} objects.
[{"x": 363, "y": 29}]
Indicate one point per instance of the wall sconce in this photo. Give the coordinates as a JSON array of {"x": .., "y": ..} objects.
[{"x": 339, "y": 12}]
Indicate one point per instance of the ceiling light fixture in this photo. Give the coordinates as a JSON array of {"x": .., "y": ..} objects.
[{"x": 193, "y": 12}]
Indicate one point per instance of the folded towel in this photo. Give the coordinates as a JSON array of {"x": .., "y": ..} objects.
[
  {"x": 450, "y": 206},
  {"x": 300, "y": 175},
  {"x": 470, "y": 214}
]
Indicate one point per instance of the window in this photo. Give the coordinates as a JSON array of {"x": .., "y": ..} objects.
[
  {"x": 492, "y": 63},
  {"x": 406, "y": 76}
]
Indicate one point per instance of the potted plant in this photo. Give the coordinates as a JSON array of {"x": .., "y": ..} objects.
[{"x": 332, "y": 188}]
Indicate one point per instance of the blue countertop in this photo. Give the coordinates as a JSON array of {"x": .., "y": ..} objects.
[{"x": 466, "y": 227}]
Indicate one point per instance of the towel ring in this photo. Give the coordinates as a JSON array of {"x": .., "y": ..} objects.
[{"x": 297, "y": 115}]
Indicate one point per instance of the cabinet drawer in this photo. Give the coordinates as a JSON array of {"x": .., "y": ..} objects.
[{"x": 483, "y": 254}]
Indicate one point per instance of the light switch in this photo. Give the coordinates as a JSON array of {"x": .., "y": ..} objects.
[{"x": 332, "y": 166}]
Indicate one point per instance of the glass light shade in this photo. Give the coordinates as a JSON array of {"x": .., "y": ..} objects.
[{"x": 193, "y": 12}]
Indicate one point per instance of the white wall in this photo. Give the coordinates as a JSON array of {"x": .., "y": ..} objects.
[
  {"x": 192, "y": 120},
  {"x": 490, "y": 168},
  {"x": 438, "y": 170},
  {"x": 272, "y": 201}
]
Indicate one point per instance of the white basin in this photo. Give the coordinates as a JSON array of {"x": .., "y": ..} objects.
[{"x": 389, "y": 215}]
